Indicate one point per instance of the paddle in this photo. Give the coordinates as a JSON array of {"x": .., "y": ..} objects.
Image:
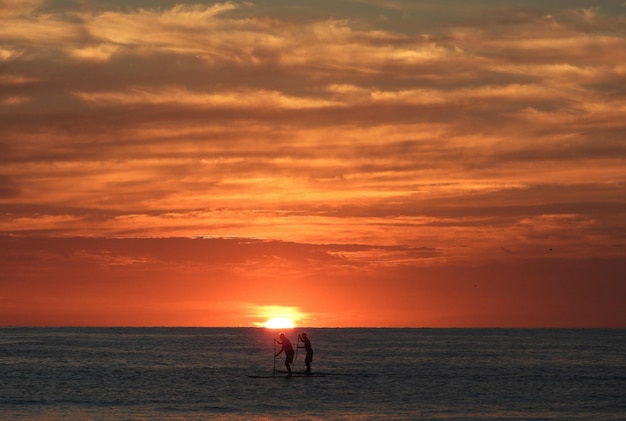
[{"x": 274, "y": 354}]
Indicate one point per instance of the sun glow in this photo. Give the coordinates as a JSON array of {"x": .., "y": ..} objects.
[
  {"x": 277, "y": 316},
  {"x": 279, "y": 323}
]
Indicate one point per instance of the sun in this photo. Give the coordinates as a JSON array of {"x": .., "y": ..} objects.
[
  {"x": 277, "y": 316},
  {"x": 279, "y": 323}
]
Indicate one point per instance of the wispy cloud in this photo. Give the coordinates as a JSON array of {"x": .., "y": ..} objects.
[{"x": 397, "y": 123}]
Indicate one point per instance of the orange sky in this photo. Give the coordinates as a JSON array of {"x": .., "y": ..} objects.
[{"x": 342, "y": 163}]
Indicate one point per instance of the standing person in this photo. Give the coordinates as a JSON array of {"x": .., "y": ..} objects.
[
  {"x": 288, "y": 348},
  {"x": 309, "y": 351}
]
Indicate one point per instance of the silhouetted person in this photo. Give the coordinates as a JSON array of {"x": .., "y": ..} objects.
[
  {"x": 309, "y": 351},
  {"x": 288, "y": 348}
]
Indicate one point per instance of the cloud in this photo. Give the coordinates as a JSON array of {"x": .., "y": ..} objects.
[
  {"x": 13, "y": 8},
  {"x": 422, "y": 129},
  {"x": 175, "y": 95}
]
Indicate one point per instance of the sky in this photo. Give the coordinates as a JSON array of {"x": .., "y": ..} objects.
[{"x": 339, "y": 163}]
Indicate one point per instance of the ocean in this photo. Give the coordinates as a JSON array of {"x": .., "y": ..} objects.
[{"x": 359, "y": 374}]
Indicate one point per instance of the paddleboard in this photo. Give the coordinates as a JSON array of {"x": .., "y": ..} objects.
[{"x": 287, "y": 377}]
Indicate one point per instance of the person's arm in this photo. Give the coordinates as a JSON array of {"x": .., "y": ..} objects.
[{"x": 281, "y": 349}]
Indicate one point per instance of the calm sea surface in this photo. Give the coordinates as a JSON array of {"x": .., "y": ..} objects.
[{"x": 363, "y": 374}]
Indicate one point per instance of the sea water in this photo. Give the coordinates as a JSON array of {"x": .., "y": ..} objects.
[{"x": 361, "y": 374}]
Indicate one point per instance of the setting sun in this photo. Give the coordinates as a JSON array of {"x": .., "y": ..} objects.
[
  {"x": 279, "y": 323},
  {"x": 278, "y": 316}
]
